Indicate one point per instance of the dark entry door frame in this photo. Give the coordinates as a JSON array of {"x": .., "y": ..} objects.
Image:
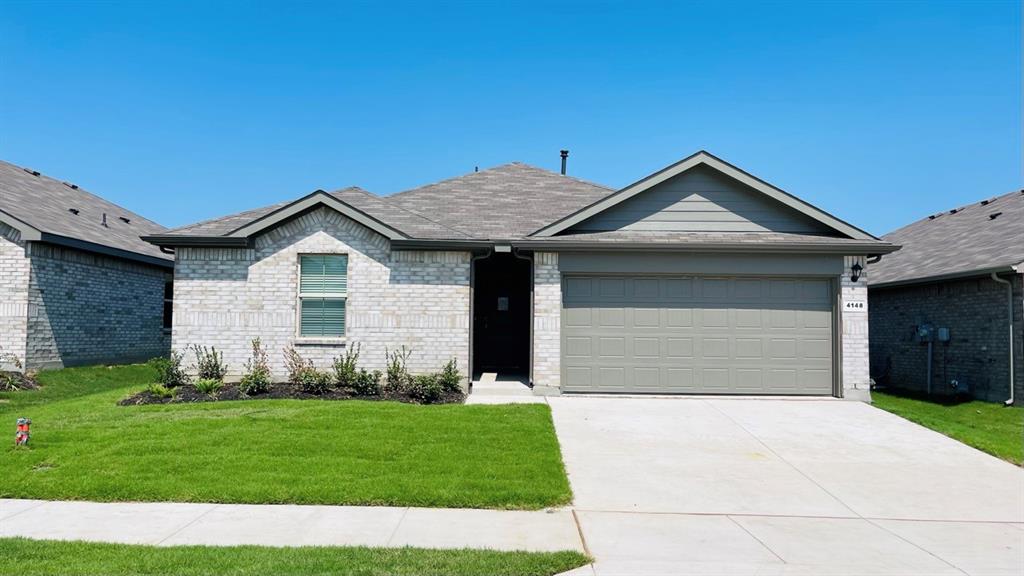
[{"x": 497, "y": 276}]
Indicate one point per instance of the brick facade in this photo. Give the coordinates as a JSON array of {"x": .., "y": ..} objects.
[
  {"x": 419, "y": 299},
  {"x": 974, "y": 311},
  {"x": 65, "y": 307},
  {"x": 855, "y": 370},
  {"x": 547, "y": 318},
  {"x": 14, "y": 274}
]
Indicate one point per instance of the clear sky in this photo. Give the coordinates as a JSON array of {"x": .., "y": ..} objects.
[{"x": 879, "y": 112}]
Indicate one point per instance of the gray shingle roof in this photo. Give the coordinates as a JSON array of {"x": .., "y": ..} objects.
[
  {"x": 410, "y": 223},
  {"x": 956, "y": 242},
  {"x": 506, "y": 202},
  {"x": 45, "y": 204}
]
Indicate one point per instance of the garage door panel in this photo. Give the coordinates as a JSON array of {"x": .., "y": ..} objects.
[{"x": 697, "y": 335}]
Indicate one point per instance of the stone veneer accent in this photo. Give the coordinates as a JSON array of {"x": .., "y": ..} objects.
[
  {"x": 856, "y": 369},
  {"x": 225, "y": 297},
  {"x": 86, "y": 308},
  {"x": 14, "y": 273},
  {"x": 547, "y": 319}
]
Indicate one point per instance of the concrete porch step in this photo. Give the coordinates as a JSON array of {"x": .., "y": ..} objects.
[{"x": 490, "y": 385}]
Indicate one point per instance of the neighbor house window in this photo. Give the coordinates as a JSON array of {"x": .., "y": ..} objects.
[
  {"x": 323, "y": 288},
  {"x": 168, "y": 304}
]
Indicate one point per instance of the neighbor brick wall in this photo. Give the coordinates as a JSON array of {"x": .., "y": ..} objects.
[
  {"x": 419, "y": 299},
  {"x": 856, "y": 369},
  {"x": 86, "y": 308},
  {"x": 547, "y": 318},
  {"x": 14, "y": 273},
  {"x": 974, "y": 310}
]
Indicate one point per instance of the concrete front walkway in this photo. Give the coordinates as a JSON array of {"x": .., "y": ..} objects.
[
  {"x": 756, "y": 486},
  {"x": 169, "y": 524}
]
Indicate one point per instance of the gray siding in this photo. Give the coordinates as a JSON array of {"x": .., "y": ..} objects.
[
  {"x": 974, "y": 310},
  {"x": 84, "y": 308},
  {"x": 702, "y": 200}
]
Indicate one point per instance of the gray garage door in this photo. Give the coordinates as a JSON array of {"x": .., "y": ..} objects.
[{"x": 696, "y": 335}]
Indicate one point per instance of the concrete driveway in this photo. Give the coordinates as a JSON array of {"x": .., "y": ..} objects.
[{"x": 752, "y": 486}]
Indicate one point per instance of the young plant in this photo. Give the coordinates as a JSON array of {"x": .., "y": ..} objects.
[
  {"x": 208, "y": 386},
  {"x": 257, "y": 371},
  {"x": 345, "y": 372},
  {"x": 450, "y": 378},
  {"x": 209, "y": 363},
  {"x": 426, "y": 388},
  {"x": 162, "y": 391},
  {"x": 367, "y": 383},
  {"x": 169, "y": 371},
  {"x": 313, "y": 381},
  {"x": 396, "y": 376},
  {"x": 295, "y": 364}
]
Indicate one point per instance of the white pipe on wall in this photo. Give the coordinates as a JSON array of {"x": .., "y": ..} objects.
[{"x": 1009, "y": 311}]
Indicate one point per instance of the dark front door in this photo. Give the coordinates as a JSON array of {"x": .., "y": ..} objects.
[{"x": 501, "y": 315}]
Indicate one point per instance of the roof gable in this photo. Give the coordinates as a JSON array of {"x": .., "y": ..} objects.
[{"x": 708, "y": 161}]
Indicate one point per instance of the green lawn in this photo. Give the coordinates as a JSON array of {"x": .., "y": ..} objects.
[
  {"x": 987, "y": 426},
  {"x": 52, "y": 558},
  {"x": 86, "y": 447}
]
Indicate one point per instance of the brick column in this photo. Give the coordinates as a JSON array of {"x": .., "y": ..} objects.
[
  {"x": 855, "y": 374},
  {"x": 547, "y": 317}
]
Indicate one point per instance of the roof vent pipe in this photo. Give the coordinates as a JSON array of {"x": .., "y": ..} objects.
[
  {"x": 105, "y": 219},
  {"x": 565, "y": 156}
]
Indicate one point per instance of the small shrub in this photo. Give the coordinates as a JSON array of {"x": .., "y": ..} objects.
[
  {"x": 208, "y": 386},
  {"x": 169, "y": 371},
  {"x": 257, "y": 371},
  {"x": 209, "y": 363},
  {"x": 313, "y": 381},
  {"x": 426, "y": 388},
  {"x": 161, "y": 391},
  {"x": 450, "y": 378},
  {"x": 396, "y": 375},
  {"x": 367, "y": 383},
  {"x": 295, "y": 364},
  {"x": 345, "y": 373}
]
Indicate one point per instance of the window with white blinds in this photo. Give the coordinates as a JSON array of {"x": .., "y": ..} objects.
[{"x": 323, "y": 289}]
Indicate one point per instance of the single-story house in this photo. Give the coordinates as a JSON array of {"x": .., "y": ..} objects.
[
  {"x": 947, "y": 311},
  {"x": 697, "y": 279},
  {"x": 77, "y": 283}
]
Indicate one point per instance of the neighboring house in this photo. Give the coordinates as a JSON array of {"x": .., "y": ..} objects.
[
  {"x": 77, "y": 284},
  {"x": 699, "y": 278},
  {"x": 950, "y": 291}
]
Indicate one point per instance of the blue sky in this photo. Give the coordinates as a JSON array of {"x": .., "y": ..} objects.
[{"x": 880, "y": 113}]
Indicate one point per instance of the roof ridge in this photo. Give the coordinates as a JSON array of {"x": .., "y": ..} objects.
[
  {"x": 233, "y": 214},
  {"x": 553, "y": 173},
  {"x": 402, "y": 208},
  {"x": 947, "y": 213},
  {"x": 498, "y": 167}
]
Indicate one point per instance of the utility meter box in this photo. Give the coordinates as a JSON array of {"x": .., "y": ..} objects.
[
  {"x": 942, "y": 335},
  {"x": 925, "y": 333}
]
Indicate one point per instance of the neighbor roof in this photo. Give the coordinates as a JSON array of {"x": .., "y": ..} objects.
[
  {"x": 45, "y": 209},
  {"x": 518, "y": 204},
  {"x": 977, "y": 239}
]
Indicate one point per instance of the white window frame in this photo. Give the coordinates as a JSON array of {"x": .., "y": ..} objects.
[{"x": 299, "y": 338}]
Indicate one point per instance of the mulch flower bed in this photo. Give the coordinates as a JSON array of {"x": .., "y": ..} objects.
[
  {"x": 17, "y": 381},
  {"x": 188, "y": 393}
]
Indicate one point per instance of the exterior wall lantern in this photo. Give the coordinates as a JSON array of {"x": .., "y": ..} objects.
[{"x": 855, "y": 271}]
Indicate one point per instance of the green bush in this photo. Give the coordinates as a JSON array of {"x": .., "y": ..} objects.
[
  {"x": 209, "y": 363},
  {"x": 367, "y": 383},
  {"x": 295, "y": 364},
  {"x": 162, "y": 391},
  {"x": 313, "y": 381},
  {"x": 257, "y": 371},
  {"x": 169, "y": 371},
  {"x": 208, "y": 386},
  {"x": 345, "y": 373},
  {"x": 426, "y": 388},
  {"x": 396, "y": 376},
  {"x": 450, "y": 378}
]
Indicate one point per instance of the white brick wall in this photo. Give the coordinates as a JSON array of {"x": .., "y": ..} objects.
[
  {"x": 420, "y": 299},
  {"x": 547, "y": 318},
  {"x": 856, "y": 372},
  {"x": 14, "y": 273}
]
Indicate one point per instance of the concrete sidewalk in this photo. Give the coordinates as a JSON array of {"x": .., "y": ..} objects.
[{"x": 169, "y": 524}]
